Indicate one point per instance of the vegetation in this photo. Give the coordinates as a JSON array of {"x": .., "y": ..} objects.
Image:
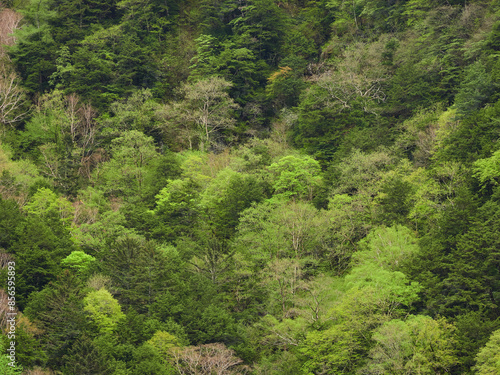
[{"x": 250, "y": 187}]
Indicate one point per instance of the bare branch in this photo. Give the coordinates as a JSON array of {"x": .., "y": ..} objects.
[
  {"x": 11, "y": 97},
  {"x": 9, "y": 21},
  {"x": 206, "y": 360}
]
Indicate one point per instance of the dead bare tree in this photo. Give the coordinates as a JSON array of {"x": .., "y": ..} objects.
[
  {"x": 82, "y": 129},
  {"x": 38, "y": 371},
  {"x": 206, "y": 360},
  {"x": 344, "y": 87},
  {"x": 5, "y": 258},
  {"x": 72, "y": 101},
  {"x": 4, "y": 309},
  {"x": 358, "y": 79},
  {"x": 9, "y": 21},
  {"x": 12, "y": 97},
  {"x": 11, "y": 94},
  {"x": 87, "y": 128}
]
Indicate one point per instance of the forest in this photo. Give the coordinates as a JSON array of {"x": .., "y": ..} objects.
[{"x": 260, "y": 187}]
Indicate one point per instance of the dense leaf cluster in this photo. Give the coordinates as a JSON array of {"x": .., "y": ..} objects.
[{"x": 251, "y": 186}]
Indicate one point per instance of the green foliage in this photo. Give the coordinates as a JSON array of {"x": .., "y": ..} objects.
[
  {"x": 388, "y": 248},
  {"x": 7, "y": 366},
  {"x": 319, "y": 128},
  {"x": 176, "y": 208},
  {"x": 137, "y": 112},
  {"x": 284, "y": 88},
  {"x": 10, "y": 218},
  {"x": 472, "y": 333},
  {"x": 460, "y": 275},
  {"x": 35, "y": 50},
  {"x": 126, "y": 172},
  {"x": 80, "y": 17},
  {"x": 394, "y": 199},
  {"x": 475, "y": 89},
  {"x": 85, "y": 357},
  {"x": 150, "y": 20},
  {"x": 487, "y": 358},
  {"x": 203, "y": 62},
  {"x": 280, "y": 334},
  {"x": 139, "y": 269},
  {"x": 208, "y": 109},
  {"x": 472, "y": 138},
  {"x": 282, "y": 363},
  {"x": 46, "y": 125},
  {"x": 488, "y": 170},
  {"x": 147, "y": 360},
  {"x": 45, "y": 203},
  {"x": 342, "y": 346},
  {"x": 283, "y": 229},
  {"x": 78, "y": 260},
  {"x": 95, "y": 236},
  {"x": 19, "y": 177},
  {"x": 349, "y": 96},
  {"x": 58, "y": 311},
  {"x": 360, "y": 172},
  {"x": 103, "y": 309},
  {"x": 431, "y": 190},
  {"x": 350, "y": 221},
  {"x": 295, "y": 177},
  {"x": 260, "y": 29},
  {"x": 301, "y": 264},
  {"x": 393, "y": 287},
  {"x": 60, "y": 137},
  {"x": 106, "y": 67},
  {"x": 226, "y": 196},
  {"x": 203, "y": 316},
  {"x": 29, "y": 350},
  {"x": 161, "y": 169},
  {"x": 163, "y": 341},
  {"x": 39, "y": 250}
]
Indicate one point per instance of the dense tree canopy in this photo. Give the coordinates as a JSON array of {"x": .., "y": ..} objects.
[{"x": 250, "y": 187}]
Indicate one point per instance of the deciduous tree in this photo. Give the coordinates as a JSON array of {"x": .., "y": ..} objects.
[
  {"x": 206, "y": 359},
  {"x": 104, "y": 309},
  {"x": 209, "y": 109},
  {"x": 419, "y": 345}
]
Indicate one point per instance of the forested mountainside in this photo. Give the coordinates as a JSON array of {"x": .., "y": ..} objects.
[{"x": 249, "y": 187}]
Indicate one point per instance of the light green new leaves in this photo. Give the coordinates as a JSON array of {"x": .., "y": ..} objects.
[
  {"x": 488, "y": 358},
  {"x": 104, "y": 309},
  {"x": 208, "y": 108},
  {"x": 295, "y": 177},
  {"x": 420, "y": 345},
  {"x": 281, "y": 334},
  {"x": 385, "y": 251},
  {"x": 216, "y": 190},
  {"x": 163, "y": 342},
  {"x": 433, "y": 191},
  {"x": 283, "y": 229},
  {"x": 339, "y": 348},
  {"x": 177, "y": 195},
  {"x": 78, "y": 260},
  {"x": 126, "y": 171},
  {"x": 361, "y": 173},
  {"x": 6, "y": 367},
  {"x": 393, "y": 288},
  {"x": 45, "y": 202},
  {"x": 388, "y": 248},
  {"x": 375, "y": 292}
]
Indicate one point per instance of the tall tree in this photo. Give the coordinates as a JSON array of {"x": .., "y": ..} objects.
[
  {"x": 208, "y": 110},
  {"x": 418, "y": 345}
]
